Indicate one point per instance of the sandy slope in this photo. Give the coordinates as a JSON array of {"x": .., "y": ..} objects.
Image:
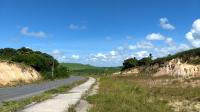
[{"x": 10, "y": 73}]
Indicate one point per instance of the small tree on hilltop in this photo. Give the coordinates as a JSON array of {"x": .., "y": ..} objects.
[{"x": 129, "y": 63}]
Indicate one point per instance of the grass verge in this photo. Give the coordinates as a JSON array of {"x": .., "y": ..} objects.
[
  {"x": 122, "y": 95},
  {"x": 13, "y": 106},
  {"x": 181, "y": 95}
]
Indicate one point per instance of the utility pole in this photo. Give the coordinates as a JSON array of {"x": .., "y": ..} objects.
[{"x": 52, "y": 72}]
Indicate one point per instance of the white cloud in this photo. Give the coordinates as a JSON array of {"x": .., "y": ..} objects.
[
  {"x": 171, "y": 49},
  {"x": 169, "y": 41},
  {"x": 58, "y": 55},
  {"x": 75, "y": 57},
  {"x": 77, "y": 27},
  {"x": 145, "y": 45},
  {"x": 141, "y": 45},
  {"x": 25, "y": 31},
  {"x": 155, "y": 36},
  {"x": 113, "y": 53},
  {"x": 132, "y": 47},
  {"x": 142, "y": 54},
  {"x": 100, "y": 55},
  {"x": 183, "y": 47},
  {"x": 193, "y": 36},
  {"x": 164, "y": 23},
  {"x": 120, "y": 48}
]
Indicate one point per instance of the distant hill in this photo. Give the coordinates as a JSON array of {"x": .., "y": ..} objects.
[
  {"x": 78, "y": 66},
  {"x": 85, "y": 69}
]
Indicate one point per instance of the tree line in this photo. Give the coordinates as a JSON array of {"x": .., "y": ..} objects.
[
  {"x": 42, "y": 62},
  {"x": 191, "y": 56},
  {"x": 134, "y": 62}
]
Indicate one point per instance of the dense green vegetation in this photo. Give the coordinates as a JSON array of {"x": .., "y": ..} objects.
[
  {"x": 41, "y": 62},
  {"x": 191, "y": 56},
  {"x": 133, "y": 62}
]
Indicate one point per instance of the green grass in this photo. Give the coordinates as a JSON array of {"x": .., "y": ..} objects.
[
  {"x": 179, "y": 93},
  {"x": 171, "y": 91},
  {"x": 13, "y": 106},
  {"x": 81, "y": 69},
  {"x": 78, "y": 66},
  {"x": 122, "y": 95}
]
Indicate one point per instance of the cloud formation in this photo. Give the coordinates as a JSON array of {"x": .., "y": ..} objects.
[
  {"x": 142, "y": 54},
  {"x": 25, "y": 31},
  {"x": 155, "y": 36},
  {"x": 164, "y": 23},
  {"x": 75, "y": 57},
  {"x": 77, "y": 27},
  {"x": 113, "y": 53},
  {"x": 169, "y": 41},
  {"x": 193, "y": 36},
  {"x": 141, "y": 45}
]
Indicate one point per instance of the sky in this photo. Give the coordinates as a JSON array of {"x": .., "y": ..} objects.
[{"x": 100, "y": 32}]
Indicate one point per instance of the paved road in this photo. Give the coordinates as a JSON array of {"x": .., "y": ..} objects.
[
  {"x": 15, "y": 93},
  {"x": 62, "y": 102}
]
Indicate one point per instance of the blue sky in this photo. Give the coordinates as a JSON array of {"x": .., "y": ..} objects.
[{"x": 100, "y": 32}]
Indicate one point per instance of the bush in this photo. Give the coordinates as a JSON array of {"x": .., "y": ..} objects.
[
  {"x": 61, "y": 72},
  {"x": 133, "y": 62},
  {"x": 129, "y": 63}
]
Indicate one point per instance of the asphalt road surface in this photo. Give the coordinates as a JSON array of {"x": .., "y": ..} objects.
[{"x": 15, "y": 93}]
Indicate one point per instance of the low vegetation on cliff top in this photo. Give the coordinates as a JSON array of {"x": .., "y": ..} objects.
[
  {"x": 191, "y": 56},
  {"x": 42, "y": 62}
]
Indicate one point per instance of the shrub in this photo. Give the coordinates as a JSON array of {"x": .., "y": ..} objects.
[
  {"x": 129, "y": 63},
  {"x": 61, "y": 72}
]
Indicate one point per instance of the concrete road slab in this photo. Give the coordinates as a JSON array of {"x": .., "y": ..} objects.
[{"x": 62, "y": 102}]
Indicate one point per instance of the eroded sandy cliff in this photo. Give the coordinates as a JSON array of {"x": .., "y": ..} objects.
[
  {"x": 11, "y": 73},
  {"x": 173, "y": 67},
  {"x": 176, "y": 68}
]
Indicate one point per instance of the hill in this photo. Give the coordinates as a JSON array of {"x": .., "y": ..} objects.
[
  {"x": 85, "y": 69},
  {"x": 78, "y": 66},
  {"x": 185, "y": 64}
]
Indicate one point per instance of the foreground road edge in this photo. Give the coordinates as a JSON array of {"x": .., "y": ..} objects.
[{"x": 62, "y": 102}]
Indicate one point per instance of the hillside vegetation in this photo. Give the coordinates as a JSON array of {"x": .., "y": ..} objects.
[
  {"x": 78, "y": 66},
  {"x": 191, "y": 56},
  {"x": 42, "y": 62},
  {"x": 85, "y": 69}
]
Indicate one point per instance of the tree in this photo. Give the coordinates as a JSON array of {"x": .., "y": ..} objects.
[
  {"x": 7, "y": 53},
  {"x": 61, "y": 71},
  {"x": 41, "y": 62},
  {"x": 146, "y": 60},
  {"x": 129, "y": 63}
]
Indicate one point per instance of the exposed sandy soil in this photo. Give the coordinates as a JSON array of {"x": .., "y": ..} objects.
[{"x": 13, "y": 73}]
